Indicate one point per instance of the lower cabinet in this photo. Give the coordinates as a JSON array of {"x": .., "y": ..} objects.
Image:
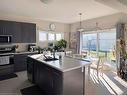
[
  {"x": 54, "y": 82},
  {"x": 20, "y": 61},
  {"x": 30, "y": 69},
  {"x": 47, "y": 78},
  {"x": 57, "y": 83}
]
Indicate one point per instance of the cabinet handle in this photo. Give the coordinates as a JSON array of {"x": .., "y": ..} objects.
[
  {"x": 82, "y": 69},
  {"x": 8, "y": 39}
]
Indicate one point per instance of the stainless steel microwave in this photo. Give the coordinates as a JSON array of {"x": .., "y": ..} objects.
[{"x": 5, "y": 38}]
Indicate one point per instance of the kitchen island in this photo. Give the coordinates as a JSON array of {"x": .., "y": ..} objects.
[{"x": 65, "y": 76}]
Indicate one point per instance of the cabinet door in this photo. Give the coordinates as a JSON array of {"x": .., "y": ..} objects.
[
  {"x": 21, "y": 32},
  {"x": 16, "y": 36},
  {"x": 45, "y": 80},
  {"x": 6, "y": 27},
  {"x": 1, "y": 28},
  {"x": 20, "y": 62},
  {"x": 28, "y": 33},
  {"x": 57, "y": 83}
]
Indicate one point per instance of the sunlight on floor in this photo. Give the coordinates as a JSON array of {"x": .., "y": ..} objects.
[
  {"x": 112, "y": 85},
  {"x": 107, "y": 86},
  {"x": 105, "y": 81},
  {"x": 121, "y": 81}
]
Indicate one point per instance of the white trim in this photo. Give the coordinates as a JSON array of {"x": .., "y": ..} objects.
[{"x": 99, "y": 31}]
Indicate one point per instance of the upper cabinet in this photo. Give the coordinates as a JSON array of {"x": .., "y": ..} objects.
[
  {"x": 28, "y": 32},
  {"x": 6, "y": 28},
  {"x": 21, "y": 32}
]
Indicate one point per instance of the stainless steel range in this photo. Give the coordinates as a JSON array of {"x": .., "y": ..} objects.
[{"x": 6, "y": 59}]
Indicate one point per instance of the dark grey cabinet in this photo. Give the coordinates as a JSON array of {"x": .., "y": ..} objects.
[
  {"x": 20, "y": 63},
  {"x": 47, "y": 78},
  {"x": 28, "y": 32},
  {"x": 6, "y": 28},
  {"x": 21, "y": 32},
  {"x": 16, "y": 33},
  {"x": 57, "y": 83}
]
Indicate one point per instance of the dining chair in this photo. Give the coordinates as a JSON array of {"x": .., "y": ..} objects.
[
  {"x": 77, "y": 56},
  {"x": 81, "y": 57},
  {"x": 98, "y": 65}
]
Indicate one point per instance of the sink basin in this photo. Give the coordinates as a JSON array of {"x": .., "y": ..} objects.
[{"x": 50, "y": 59}]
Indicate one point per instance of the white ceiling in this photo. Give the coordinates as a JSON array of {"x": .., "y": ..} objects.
[
  {"x": 65, "y": 11},
  {"x": 120, "y": 5}
]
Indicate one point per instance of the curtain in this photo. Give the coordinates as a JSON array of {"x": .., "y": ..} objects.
[
  {"x": 78, "y": 42},
  {"x": 121, "y": 51}
]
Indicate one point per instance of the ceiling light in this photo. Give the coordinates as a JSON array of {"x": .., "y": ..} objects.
[
  {"x": 46, "y": 1},
  {"x": 97, "y": 27},
  {"x": 80, "y": 29}
]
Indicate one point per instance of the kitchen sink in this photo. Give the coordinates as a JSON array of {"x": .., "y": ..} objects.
[{"x": 50, "y": 59}]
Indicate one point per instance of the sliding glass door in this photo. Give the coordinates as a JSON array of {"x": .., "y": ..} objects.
[
  {"x": 89, "y": 44},
  {"x": 107, "y": 44},
  {"x": 100, "y": 43}
]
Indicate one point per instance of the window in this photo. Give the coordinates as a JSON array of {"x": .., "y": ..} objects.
[
  {"x": 107, "y": 41},
  {"x": 42, "y": 36},
  {"x": 89, "y": 43},
  {"x": 100, "y": 43},
  {"x": 58, "y": 36},
  {"x": 51, "y": 36}
]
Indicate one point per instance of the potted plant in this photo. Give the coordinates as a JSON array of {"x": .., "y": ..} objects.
[{"x": 61, "y": 45}]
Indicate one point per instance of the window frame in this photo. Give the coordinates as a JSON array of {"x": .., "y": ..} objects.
[
  {"x": 47, "y": 36},
  {"x": 39, "y": 36},
  {"x": 98, "y": 38}
]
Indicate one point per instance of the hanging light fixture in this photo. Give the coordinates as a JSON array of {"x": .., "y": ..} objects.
[
  {"x": 97, "y": 27},
  {"x": 46, "y": 1},
  {"x": 80, "y": 29}
]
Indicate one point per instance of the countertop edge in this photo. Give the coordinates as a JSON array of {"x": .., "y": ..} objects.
[{"x": 61, "y": 69}]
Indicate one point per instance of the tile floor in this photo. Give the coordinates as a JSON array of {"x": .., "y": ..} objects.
[{"x": 109, "y": 84}]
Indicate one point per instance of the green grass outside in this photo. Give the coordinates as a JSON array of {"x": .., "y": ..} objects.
[{"x": 94, "y": 54}]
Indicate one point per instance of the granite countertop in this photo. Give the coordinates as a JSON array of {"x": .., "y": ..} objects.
[
  {"x": 25, "y": 52},
  {"x": 65, "y": 64}
]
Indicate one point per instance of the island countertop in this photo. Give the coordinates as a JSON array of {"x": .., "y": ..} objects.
[{"x": 64, "y": 64}]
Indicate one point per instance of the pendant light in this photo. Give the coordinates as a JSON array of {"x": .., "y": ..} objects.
[
  {"x": 80, "y": 29},
  {"x": 46, "y": 1},
  {"x": 97, "y": 27}
]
